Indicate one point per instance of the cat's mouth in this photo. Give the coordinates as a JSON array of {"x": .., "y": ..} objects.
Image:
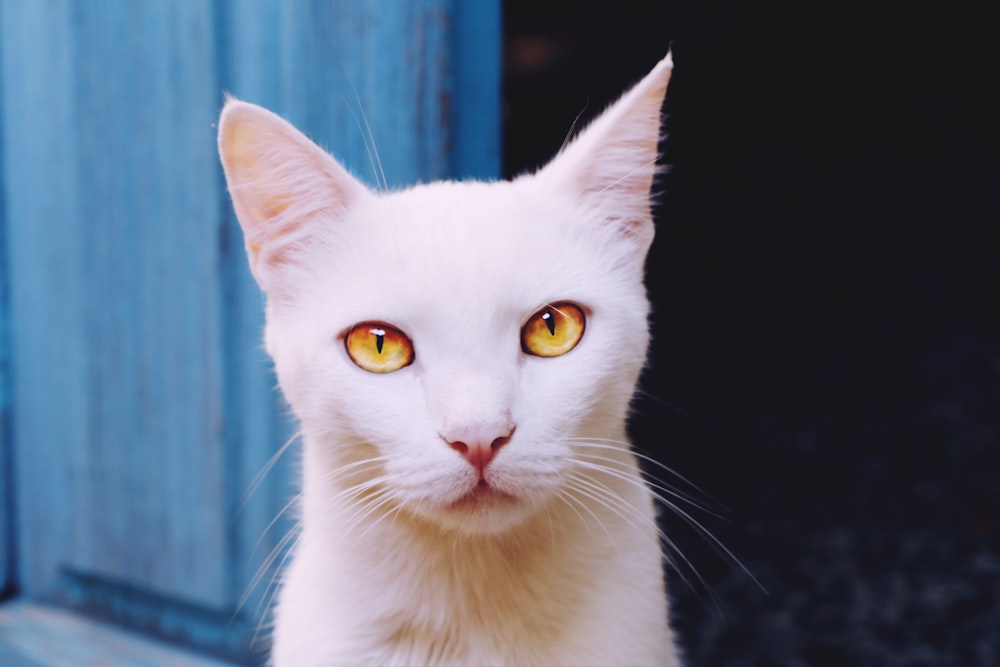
[{"x": 483, "y": 495}]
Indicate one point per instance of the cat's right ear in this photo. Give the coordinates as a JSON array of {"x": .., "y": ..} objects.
[
  {"x": 612, "y": 163},
  {"x": 283, "y": 186}
]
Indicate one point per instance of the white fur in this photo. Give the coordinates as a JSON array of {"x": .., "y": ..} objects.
[{"x": 388, "y": 570}]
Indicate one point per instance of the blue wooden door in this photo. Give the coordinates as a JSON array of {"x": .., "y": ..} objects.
[{"x": 141, "y": 481}]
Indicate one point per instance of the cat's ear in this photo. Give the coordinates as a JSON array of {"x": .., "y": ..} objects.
[
  {"x": 283, "y": 186},
  {"x": 612, "y": 163}
]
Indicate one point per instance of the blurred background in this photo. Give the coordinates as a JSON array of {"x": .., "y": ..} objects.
[{"x": 826, "y": 361}]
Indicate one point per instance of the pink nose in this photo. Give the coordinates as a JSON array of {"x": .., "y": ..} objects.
[{"x": 479, "y": 444}]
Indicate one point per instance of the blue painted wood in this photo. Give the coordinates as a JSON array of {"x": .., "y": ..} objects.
[
  {"x": 138, "y": 243},
  {"x": 370, "y": 85},
  {"x": 6, "y": 447},
  {"x": 143, "y": 405},
  {"x": 249, "y": 35},
  {"x": 36, "y": 636},
  {"x": 476, "y": 123},
  {"x": 50, "y": 366}
]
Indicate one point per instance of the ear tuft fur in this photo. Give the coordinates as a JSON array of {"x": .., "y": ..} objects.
[
  {"x": 283, "y": 186},
  {"x": 613, "y": 161}
]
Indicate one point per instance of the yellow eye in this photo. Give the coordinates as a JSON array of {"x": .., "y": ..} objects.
[
  {"x": 378, "y": 348},
  {"x": 554, "y": 330}
]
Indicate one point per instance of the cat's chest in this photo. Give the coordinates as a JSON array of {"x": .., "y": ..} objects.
[
  {"x": 420, "y": 615},
  {"x": 438, "y": 592},
  {"x": 477, "y": 600}
]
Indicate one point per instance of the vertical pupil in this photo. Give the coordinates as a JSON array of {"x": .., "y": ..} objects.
[
  {"x": 379, "y": 339},
  {"x": 550, "y": 322}
]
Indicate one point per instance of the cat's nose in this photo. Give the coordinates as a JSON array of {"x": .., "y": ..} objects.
[{"x": 479, "y": 444}]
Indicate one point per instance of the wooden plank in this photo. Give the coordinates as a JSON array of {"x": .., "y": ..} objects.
[
  {"x": 46, "y": 296},
  {"x": 6, "y": 446},
  {"x": 154, "y": 449},
  {"x": 37, "y": 636},
  {"x": 476, "y": 61},
  {"x": 370, "y": 85},
  {"x": 249, "y": 38},
  {"x": 141, "y": 465},
  {"x": 145, "y": 407}
]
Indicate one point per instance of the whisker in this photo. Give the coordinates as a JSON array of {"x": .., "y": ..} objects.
[
  {"x": 613, "y": 503},
  {"x": 263, "y": 569},
  {"x": 686, "y": 516},
  {"x": 355, "y": 491},
  {"x": 367, "y": 137},
  {"x": 283, "y": 549},
  {"x": 696, "y": 525},
  {"x": 619, "y": 445},
  {"x": 275, "y": 567},
  {"x": 548, "y": 517},
  {"x": 277, "y": 517},
  {"x": 567, "y": 140},
  {"x": 629, "y": 175},
  {"x": 367, "y": 508},
  {"x": 392, "y": 512},
  {"x": 571, "y": 500},
  {"x": 654, "y": 483},
  {"x": 264, "y": 472},
  {"x": 667, "y": 404},
  {"x": 572, "y": 127},
  {"x": 338, "y": 473},
  {"x": 606, "y": 495},
  {"x": 267, "y": 599},
  {"x": 374, "y": 159}
]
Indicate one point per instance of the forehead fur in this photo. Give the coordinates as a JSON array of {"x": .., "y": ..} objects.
[{"x": 498, "y": 247}]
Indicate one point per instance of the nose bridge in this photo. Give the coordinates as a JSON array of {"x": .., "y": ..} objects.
[{"x": 473, "y": 406}]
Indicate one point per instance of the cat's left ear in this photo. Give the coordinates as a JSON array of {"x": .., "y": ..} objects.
[
  {"x": 612, "y": 163},
  {"x": 285, "y": 189}
]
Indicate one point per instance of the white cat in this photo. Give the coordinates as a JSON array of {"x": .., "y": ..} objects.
[{"x": 462, "y": 357}]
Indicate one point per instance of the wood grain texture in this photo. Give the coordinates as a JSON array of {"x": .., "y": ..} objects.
[
  {"x": 45, "y": 297},
  {"x": 475, "y": 124},
  {"x": 37, "y": 636},
  {"x": 144, "y": 411},
  {"x": 6, "y": 447},
  {"x": 124, "y": 283},
  {"x": 376, "y": 92}
]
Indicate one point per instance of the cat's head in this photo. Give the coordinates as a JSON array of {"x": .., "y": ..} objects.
[{"x": 450, "y": 347}]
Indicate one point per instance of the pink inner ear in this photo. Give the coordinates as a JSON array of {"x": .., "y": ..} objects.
[
  {"x": 281, "y": 184},
  {"x": 259, "y": 159},
  {"x": 613, "y": 161}
]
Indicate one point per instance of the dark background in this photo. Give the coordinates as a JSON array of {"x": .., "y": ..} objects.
[{"x": 825, "y": 280}]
